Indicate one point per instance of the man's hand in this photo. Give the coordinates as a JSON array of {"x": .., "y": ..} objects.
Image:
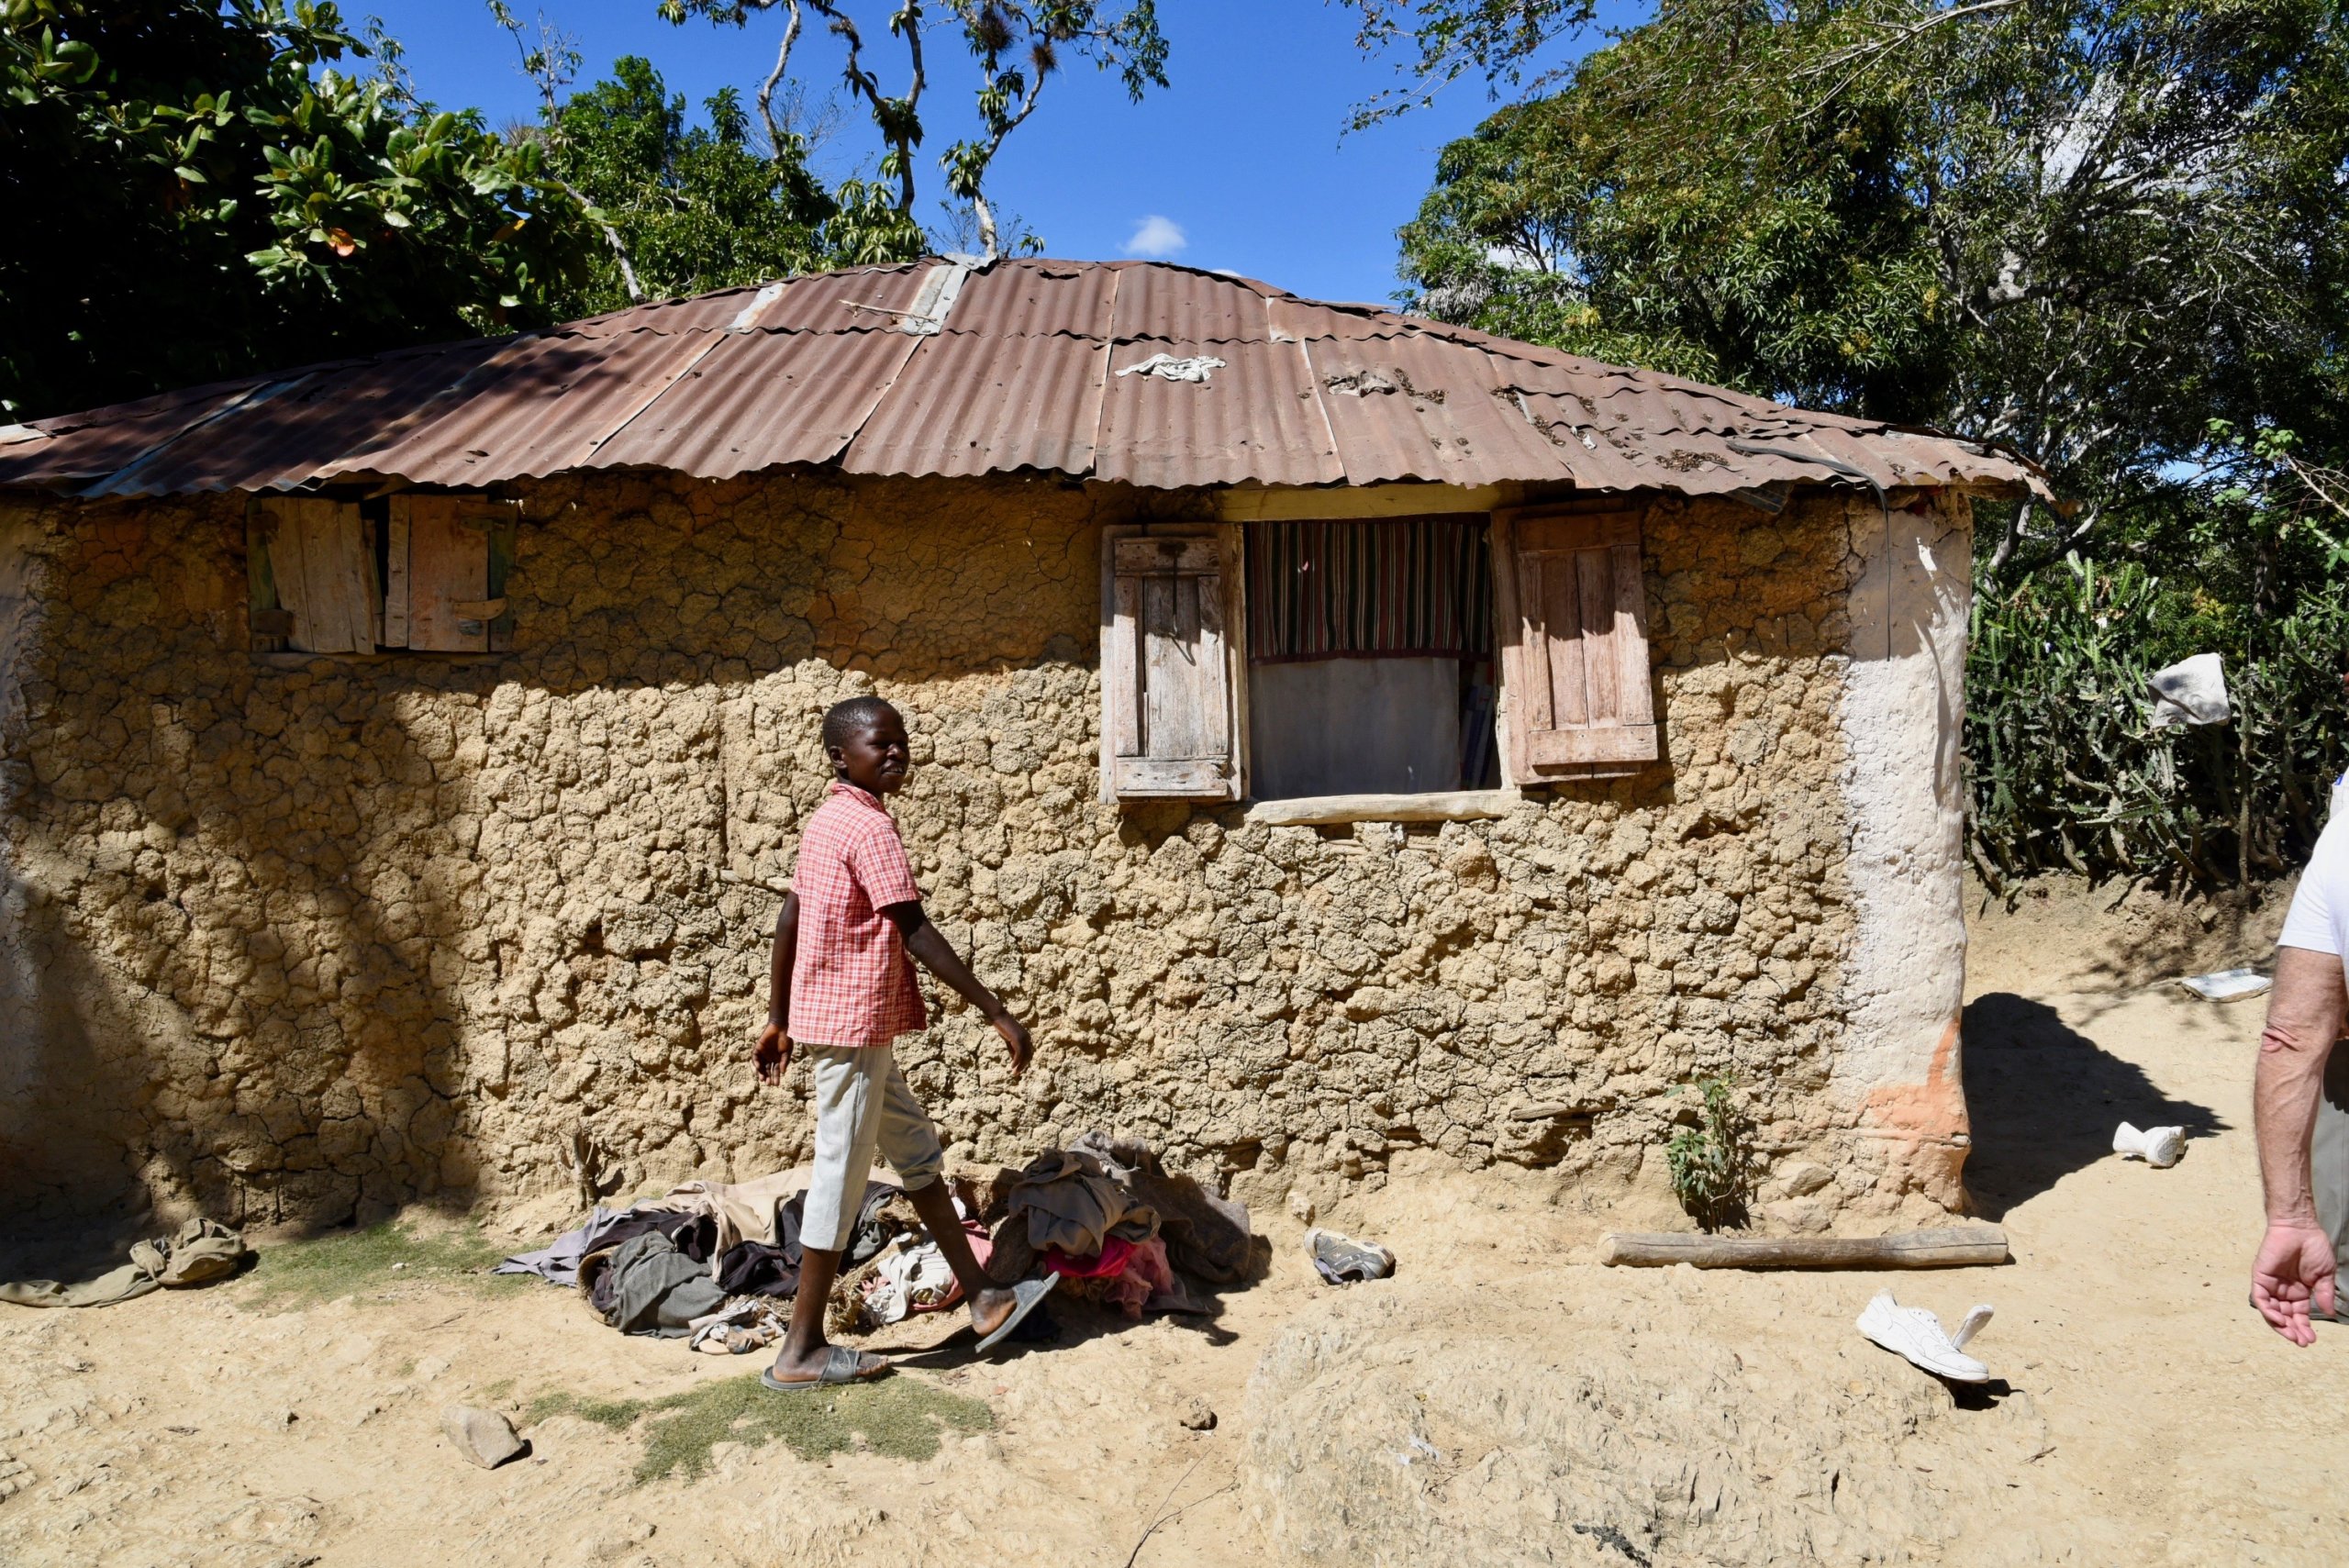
[
  {"x": 1016, "y": 1043},
  {"x": 2293, "y": 1271},
  {"x": 773, "y": 1054}
]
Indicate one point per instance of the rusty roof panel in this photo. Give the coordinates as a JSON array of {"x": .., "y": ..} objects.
[
  {"x": 1176, "y": 306},
  {"x": 80, "y": 447},
  {"x": 860, "y": 300},
  {"x": 749, "y": 378},
  {"x": 539, "y": 410},
  {"x": 966, "y": 404},
  {"x": 1035, "y": 299},
  {"x": 1413, "y": 408},
  {"x": 1256, "y": 418},
  {"x": 763, "y": 399},
  {"x": 1303, "y": 318}
]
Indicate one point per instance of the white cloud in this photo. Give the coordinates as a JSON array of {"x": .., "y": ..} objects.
[{"x": 1156, "y": 235}]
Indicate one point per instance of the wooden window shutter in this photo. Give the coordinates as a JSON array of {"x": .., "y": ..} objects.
[
  {"x": 447, "y": 557},
  {"x": 1171, "y": 699},
  {"x": 310, "y": 571},
  {"x": 1574, "y": 625}
]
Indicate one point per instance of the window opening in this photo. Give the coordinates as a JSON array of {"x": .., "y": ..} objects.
[{"x": 1369, "y": 657}]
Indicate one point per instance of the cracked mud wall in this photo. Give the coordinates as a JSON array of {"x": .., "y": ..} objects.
[{"x": 297, "y": 937}]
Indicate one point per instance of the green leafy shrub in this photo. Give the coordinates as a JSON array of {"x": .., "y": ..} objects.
[{"x": 1712, "y": 1162}]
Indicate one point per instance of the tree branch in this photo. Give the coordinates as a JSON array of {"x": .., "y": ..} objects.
[{"x": 775, "y": 80}]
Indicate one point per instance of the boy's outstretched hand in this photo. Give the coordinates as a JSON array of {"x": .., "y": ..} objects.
[
  {"x": 1016, "y": 1043},
  {"x": 771, "y": 1055}
]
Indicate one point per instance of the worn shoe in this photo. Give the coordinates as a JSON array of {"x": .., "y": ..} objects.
[
  {"x": 2160, "y": 1147},
  {"x": 1917, "y": 1336},
  {"x": 1342, "y": 1259}
]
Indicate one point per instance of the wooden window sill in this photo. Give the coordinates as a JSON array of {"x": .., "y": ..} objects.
[{"x": 1327, "y": 810}]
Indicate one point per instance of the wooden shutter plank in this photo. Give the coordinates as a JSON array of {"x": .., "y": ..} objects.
[
  {"x": 1566, "y": 699},
  {"x": 448, "y": 563},
  {"x": 1595, "y": 587},
  {"x": 1636, "y": 700},
  {"x": 266, "y": 619},
  {"x": 396, "y": 574},
  {"x": 1594, "y": 743},
  {"x": 501, "y": 540}
]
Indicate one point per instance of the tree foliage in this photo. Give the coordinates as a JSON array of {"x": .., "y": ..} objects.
[
  {"x": 196, "y": 191},
  {"x": 697, "y": 207},
  {"x": 2083, "y": 229},
  {"x": 2108, "y": 233}
]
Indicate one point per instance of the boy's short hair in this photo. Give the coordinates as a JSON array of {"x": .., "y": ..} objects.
[{"x": 843, "y": 718}]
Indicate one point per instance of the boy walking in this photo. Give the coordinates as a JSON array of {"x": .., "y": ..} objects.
[{"x": 842, "y": 986}]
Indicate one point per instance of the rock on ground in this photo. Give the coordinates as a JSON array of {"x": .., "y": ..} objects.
[{"x": 485, "y": 1437}]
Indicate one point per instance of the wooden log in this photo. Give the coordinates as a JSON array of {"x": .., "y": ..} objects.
[{"x": 1955, "y": 1247}]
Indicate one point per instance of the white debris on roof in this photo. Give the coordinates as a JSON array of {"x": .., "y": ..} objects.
[{"x": 1166, "y": 367}]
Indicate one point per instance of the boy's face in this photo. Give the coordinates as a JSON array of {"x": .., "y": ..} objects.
[{"x": 876, "y": 757}]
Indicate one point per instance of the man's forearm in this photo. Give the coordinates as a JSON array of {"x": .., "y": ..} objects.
[
  {"x": 2283, "y": 1100},
  {"x": 2304, "y": 1019}
]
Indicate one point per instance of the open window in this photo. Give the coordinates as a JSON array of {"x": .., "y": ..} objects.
[
  {"x": 1369, "y": 657},
  {"x": 425, "y": 573},
  {"x": 1356, "y": 664}
]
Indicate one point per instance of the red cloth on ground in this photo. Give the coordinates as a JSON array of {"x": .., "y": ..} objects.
[
  {"x": 1127, "y": 1275},
  {"x": 1108, "y": 1263}
]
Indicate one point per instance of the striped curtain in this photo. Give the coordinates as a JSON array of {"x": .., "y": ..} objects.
[{"x": 1413, "y": 587}]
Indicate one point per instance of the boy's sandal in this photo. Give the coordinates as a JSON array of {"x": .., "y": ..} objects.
[
  {"x": 1025, "y": 1297},
  {"x": 843, "y": 1365}
]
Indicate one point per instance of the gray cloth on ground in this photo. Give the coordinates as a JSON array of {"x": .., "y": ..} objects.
[
  {"x": 200, "y": 1252},
  {"x": 1205, "y": 1235},
  {"x": 1072, "y": 1201},
  {"x": 658, "y": 1290},
  {"x": 558, "y": 1263}
]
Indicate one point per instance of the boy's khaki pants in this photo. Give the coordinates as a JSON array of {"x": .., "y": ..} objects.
[{"x": 863, "y": 1108}]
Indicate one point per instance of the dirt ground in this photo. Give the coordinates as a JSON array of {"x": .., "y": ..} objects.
[{"x": 1503, "y": 1399}]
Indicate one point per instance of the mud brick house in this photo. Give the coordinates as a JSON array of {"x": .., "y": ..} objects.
[{"x": 1344, "y": 736}]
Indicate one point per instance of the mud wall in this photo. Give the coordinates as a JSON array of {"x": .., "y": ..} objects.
[{"x": 295, "y": 938}]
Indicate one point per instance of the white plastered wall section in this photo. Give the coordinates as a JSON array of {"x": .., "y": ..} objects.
[{"x": 1897, "y": 1073}]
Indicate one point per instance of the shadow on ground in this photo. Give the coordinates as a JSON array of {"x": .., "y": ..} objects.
[{"x": 2045, "y": 1099}]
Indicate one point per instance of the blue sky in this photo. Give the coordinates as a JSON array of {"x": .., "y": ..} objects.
[{"x": 1241, "y": 162}]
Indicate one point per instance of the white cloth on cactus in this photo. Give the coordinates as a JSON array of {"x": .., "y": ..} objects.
[{"x": 2192, "y": 691}]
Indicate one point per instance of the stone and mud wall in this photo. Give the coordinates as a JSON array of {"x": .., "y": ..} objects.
[{"x": 300, "y": 938}]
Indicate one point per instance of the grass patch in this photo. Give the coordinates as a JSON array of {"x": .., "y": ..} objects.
[
  {"x": 350, "y": 1262},
  {"x": 902, "y": 1416}
]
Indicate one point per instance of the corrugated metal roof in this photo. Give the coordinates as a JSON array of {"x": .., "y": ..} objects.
[{"x": 941, "y": 367}]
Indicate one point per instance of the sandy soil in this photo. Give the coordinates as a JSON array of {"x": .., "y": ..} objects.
[{"x": 2145, "y": 1415}]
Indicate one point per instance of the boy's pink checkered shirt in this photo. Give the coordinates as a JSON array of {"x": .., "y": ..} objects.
[{"x": 852, "y": 983}]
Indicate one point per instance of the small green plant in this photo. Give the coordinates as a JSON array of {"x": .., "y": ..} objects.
[
  {"x": 1711, "y": 1162},
  {"x": 901, "y": 1416},
  {"x": 350, "y": 1262}
]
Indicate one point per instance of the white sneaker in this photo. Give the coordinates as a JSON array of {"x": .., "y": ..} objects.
[
  {"x": 2160, "y": 1147},
  {"x": 1917, "y": 1337}
]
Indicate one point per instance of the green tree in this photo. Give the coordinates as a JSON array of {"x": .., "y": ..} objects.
[
  {"x": 2108, "y": 233},
  {"x": 196, "y": 191},
  {"x": 2082, "y": 228},
  {"x": 696, "y": 206}
]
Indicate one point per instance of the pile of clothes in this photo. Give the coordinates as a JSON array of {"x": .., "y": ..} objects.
[
  {"x": 709, "y": 1262},
  {"x": 1105, "y": 1215}
]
